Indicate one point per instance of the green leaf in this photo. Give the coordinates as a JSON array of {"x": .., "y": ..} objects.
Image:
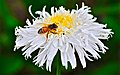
[
  {"x": 111, "y": 9},
  {"x": 10, "y": 65},
  {"x": 111, "y": 68}
]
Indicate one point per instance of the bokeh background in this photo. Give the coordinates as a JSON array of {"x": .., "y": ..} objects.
[{"x": 15, "y": 12}]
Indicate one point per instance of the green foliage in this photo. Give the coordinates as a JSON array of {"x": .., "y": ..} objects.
[
  {"x": 9, "y": 20},
  {"x": 10, "y": 65},
  {"x": 111, "y": 68}
]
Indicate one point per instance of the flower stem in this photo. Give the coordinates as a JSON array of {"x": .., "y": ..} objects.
[{"x": 58, "y": 72}]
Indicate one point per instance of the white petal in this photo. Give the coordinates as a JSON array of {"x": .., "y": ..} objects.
[
  {"x": 96, "y": 40},
  {"x": 28, "y": 22},
  {"x": 31, "y": 12},
  {"x": 72, "y": 40},
  {"x": 94, "y": 46},
  {"x": 64, "y": 59},
  {"x": 55, "y": 43},
  {"x": 81, "y": 56},
  {"x": 60, "y": 42},
  {"x": 21, "y": 42},
  {"x": 67, "y": 47},
  {"x": 71, "y": 57},
  {"x": 38, "y": 12},
  {"x": 92, "y": 51},
  {"x": 48, "y": 65},
  {"x": 52, "y": 52},
  {"x": 26, "y": 46},
  {"x": 38, "y": 40},
  {"x": 42, "y": 61},
  {"x": 52, "y": 10},
  {"x": 44, "y": 12},
  {"x": 40, "y": 58}
]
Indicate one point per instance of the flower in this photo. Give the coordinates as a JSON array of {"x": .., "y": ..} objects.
[{"x": 71, "y": 31}]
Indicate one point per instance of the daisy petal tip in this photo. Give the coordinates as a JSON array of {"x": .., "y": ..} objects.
[
  {"x": 66, "y": 68},
  {"x": 14, "y": 49},
  {"x": 77, "y": 6},
  {"x": 74, "y": 67},
  {"x": 29, "y": 9},
  {"x": 38, "y": 12},
  {"x": 103, "y": 52},
  {"x": 44, "y": 8},
  {"x": 27, "y": 20},
  {"x": 83, "y": 4},
  {"x": 49, "y": 70},
  {"x": 84, "y": 66},
  {"x": 91, "y": 60}
]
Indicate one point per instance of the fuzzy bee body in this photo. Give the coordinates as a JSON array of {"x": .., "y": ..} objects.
[
  {"x": 48, "y": 29},
  {"x": 43, "y": 30}
]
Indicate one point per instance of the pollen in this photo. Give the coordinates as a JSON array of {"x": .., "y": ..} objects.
[{"x": 63, "y": 21}]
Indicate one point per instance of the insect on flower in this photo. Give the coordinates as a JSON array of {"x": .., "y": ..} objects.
[
  {"x": 51, "y": 28},
  {"x": 63, "y": 30}
]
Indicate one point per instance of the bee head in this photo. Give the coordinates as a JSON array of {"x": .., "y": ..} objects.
[{"x": 52, "y": 26}]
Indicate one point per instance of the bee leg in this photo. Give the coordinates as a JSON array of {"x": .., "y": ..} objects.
[{"x": 46, "y": 37}]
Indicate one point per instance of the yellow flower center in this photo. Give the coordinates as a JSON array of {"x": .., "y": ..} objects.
[{"x": 64, "y": 21}]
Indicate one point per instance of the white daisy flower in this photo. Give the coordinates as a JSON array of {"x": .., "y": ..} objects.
[{"x": 63, "y": 30}]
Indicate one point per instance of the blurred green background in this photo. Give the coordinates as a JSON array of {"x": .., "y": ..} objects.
[{"x": 15, "y": 12}]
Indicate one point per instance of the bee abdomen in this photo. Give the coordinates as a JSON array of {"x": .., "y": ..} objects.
[{"x": 43, "y": 30}]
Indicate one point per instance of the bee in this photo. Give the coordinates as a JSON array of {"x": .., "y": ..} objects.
[{"x": 47, "y": 29}]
